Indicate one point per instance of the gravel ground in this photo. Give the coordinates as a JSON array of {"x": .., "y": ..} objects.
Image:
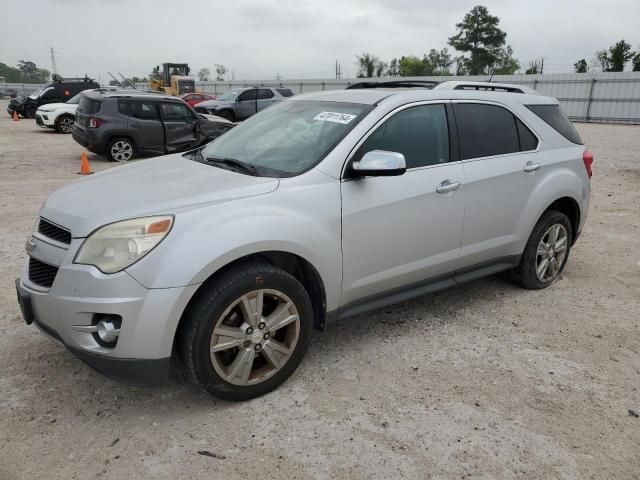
[{"x": 482, "y": 381}]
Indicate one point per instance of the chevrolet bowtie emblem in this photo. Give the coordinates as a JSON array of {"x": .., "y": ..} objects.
[{"x": 30, "y": 246}]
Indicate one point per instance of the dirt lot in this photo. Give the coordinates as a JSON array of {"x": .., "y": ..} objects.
[{"x": 483, "y": 381}]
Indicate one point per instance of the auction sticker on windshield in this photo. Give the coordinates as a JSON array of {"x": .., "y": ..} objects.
[{"x": 334, "y": 117}]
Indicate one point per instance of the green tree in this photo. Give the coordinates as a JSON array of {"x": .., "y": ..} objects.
[
  {"x": 413, "y": 66},
  {"x": 602, "y": 57},
  {"x": 392, "y": 70},
  {"x": 440, "y": 61},
  {"x": 580, "y": 66},
  {"x": 505, "y": 62},
  {"x": 369, "y": 66},
  {"x": 221, "y": 71},
  {"x": 30, "y": 73},
  {"x": 11, "y": 74},
  {"x": 478, "y": 34},
  {"x": 619, "y": 54},
  {"x": 204, "y": 74},
  {"x": 635, "y": 61}
]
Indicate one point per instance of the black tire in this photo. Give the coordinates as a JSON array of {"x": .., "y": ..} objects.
[
  {"x": 195, "y": 335},
  {"x": 226, "y": 114},
  {"x": 525, "y": 273},
  {"x": 30, "y": 112},
  {"x": 115, "y": 157},
  {"x": 63, "y": 125}
]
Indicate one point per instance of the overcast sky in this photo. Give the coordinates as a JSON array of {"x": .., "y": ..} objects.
[{"x": 258, "y": 39}]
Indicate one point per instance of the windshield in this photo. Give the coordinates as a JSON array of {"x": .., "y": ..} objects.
[
  {"x": 38, "y": 92},
  {"x": 289, "y": 137},
  {"x": 229, "y": 95},
  {"x": 75, "y": 99}
]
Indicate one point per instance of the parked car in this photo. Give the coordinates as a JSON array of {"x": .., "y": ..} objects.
[
  {"x": 122, "y": 125},
  {"x": 57, "y": 91},
  {"x": 241, "y": 103},
  {"x": 324, "y": 206},
  {"x": 195, "y": 98},
  {"x": 58, "y": 116}
]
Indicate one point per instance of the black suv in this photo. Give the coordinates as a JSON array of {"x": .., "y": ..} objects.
[
  {"x": 57, "y": 91},
  {"x": 124, "y": 124}
]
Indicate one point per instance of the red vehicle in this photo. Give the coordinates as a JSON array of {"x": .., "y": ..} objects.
[{"x": 193, "y": 98}]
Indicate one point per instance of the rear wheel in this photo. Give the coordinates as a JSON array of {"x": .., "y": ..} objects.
[
  {"x": 120, "y": 150},
  {"x": 247, "y": 333},
  {"x": 546, "y": 252},
  {"x": 64, "y": 124}
]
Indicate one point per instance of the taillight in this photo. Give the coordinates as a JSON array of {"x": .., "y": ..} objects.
[
  {"x": 94, "y": 122},
  {"x": 587, "y": 158}
]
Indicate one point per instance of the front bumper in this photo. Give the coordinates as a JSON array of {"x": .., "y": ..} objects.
[
  {"x": 80, "y": 294},
  {"x": 43, "y": 120}
]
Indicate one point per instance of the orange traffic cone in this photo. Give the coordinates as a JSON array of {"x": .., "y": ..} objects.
[
  {"x": 15, "y": 116},
  {"x": 85, "y": 168}
]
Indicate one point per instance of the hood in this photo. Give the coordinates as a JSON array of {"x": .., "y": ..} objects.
[
  {"x": 53, "y": 106},
  {"x": 17, "y": 101},
  {"x": 154, "y": 186}
]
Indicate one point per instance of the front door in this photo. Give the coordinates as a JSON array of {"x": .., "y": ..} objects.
[
  {"x": 266, "y": 97},
  {"x": 180, "y": 126},
  {"x": 246, "y": 104},
  {"x": 404, "y": 230}
]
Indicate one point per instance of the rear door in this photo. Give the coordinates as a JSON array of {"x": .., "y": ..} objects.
[
  {"x": 180, "y": 126},
  {"x": 144, "y": 124},
  {"x": 501, "y": 167},
  {"x": 246, "y": 104}
]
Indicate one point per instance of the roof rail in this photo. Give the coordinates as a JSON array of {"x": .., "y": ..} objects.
[
  {"x": 428, "y": 84},
  {"x": 485, "y": 86}
]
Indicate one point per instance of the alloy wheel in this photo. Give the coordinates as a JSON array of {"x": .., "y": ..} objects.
[
  {"x": 66, "y": 124},
  {"x": 551, "y": 253},
  {"x": 121, "y": 151},
  {"x": 255, "y": 337}
]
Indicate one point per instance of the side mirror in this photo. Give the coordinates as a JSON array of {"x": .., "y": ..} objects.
[{"x": 380, "y": 163}]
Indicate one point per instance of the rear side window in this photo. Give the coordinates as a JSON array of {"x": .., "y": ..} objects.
[
  {"x": 89, "y": 106},
  {"x": 485, "y": 130},
  {"x": 528, "y": 140},
  {"x": 265, "y": 93},
  {"x": 555, "y": 117},
  {"x": 138, "y": 109},
  {"x": 285, "y": 92},
  {"x": 420, "y": 133}
]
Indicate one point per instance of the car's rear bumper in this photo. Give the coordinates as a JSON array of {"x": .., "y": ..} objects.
[{"x": 89, "y": 140}]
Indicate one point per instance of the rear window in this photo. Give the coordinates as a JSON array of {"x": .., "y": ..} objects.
[
  {"x": 285, "y": 92},
  {"x": 555, "y": 117},
  {"x": 89, "y": 106}
]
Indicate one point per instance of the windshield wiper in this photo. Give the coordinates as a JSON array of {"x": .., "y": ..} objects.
[{"x": 232, "y": 162}]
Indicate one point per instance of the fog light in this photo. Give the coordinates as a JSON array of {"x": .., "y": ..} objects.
[{"x": 107, "y": 329}]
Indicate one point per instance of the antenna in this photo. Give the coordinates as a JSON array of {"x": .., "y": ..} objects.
[{"x": 54, "y": 70}]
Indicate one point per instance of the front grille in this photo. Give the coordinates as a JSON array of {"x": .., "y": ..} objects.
[
  {"x": 42, "y": 273},
  {"x": 48, "y": 229}
]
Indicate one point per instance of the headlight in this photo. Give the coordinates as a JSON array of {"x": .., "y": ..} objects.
[{"x": 116, "y": 246}]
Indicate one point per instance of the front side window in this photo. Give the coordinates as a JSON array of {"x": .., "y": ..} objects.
[
  {"x": 420, "y": 133},
  {"x": 176, "y": 112},
  {"x": 485, "y": 130},
  {"x": 288, "y": 138}
]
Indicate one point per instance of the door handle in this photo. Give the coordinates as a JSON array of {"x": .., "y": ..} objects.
[
  {"x": 134, "y": 125},
  {"x": 531, "y": 167},
  {"x": 447, "y": 186}
]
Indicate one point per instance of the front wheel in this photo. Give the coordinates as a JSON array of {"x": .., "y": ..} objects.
[
  {"x": 65, "y": 124},
  {"x": 247, "y": 333},
  {"x": 120, "y": 150},
  {"x": 30, "y": 112},
  {"x": 226, "y": 114},
  {"x": 546, "y": 252}
]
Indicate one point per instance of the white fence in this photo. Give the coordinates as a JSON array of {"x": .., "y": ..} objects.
[{"x": 585, "y": 97}]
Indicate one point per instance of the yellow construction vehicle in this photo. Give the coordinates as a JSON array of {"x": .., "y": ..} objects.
[{"x": 173, "y": 80}]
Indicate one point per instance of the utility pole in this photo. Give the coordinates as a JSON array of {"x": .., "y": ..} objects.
[
  {"x": 338, "y": 70},
  {"x": 54, "y": 70}
]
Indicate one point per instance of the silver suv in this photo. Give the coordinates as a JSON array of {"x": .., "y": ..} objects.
[
  {"x": 324, "y": 206},
  {"x": 241, "y": 103}
]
